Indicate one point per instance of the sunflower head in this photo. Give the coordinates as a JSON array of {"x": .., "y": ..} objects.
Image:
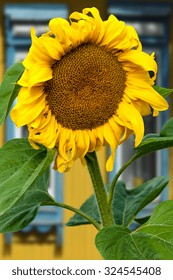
[{"x": 86, "y": 84}]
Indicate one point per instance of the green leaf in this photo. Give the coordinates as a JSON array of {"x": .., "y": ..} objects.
[
  {"x": 20, "y": 166},
  {"x": 167, "y": 129},
  {"x": 24, "y": 210},
  {"x": 128, "y": 203},
  {"x": 152, "y": 241},
  {"x": 112, "y": 238},
  {"x": 165, "y": 92},
  {"x": 152, "y": 143},
  {"x": 89, "y": 207},
  {"x": 9, "y": 89}
]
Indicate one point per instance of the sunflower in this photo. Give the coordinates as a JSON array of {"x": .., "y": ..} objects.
[{"x": 87, "y": 83}]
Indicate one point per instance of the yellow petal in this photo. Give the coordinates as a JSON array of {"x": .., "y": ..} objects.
[
  {"x": 142, "y": 59},
  {"x": 39, "y": 73},
  {"x": 23, "y": 114},
  {"x": 132, "y": 119},
  {"x": 62, "y": 165},
  {"x": 110, "y": 139},
  {"x": 146, "y": 93},
  {"x": 33, "y": 144},
  {"x": 37, "y": 52},
  {"x": 142, "y": 107},
  {"x": 27, "y": 95},
  {"x": 134, "y": 39},
  {"x": 23, "y": 81},
  {"x": 64, "y": 135},
  {"x": 52, "y": 47},
  {"x": 66, "y": 35},
  {"x": 99, "y": 29},
  {"x": 46, "y": 136},
  {"x": 76, "y": 16},
  {"x": 127, "y": 133},
  {"x": 116, "y": 128},
  {"x": 82, "y": 143},
  {"x": 115, "y": 36},
  {"x": 85, "y": 30}
]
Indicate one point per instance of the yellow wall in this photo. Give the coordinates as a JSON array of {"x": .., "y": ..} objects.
[{"x": 78, "y": 241}]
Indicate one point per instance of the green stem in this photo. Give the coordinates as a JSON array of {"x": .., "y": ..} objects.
[
  {"x": 100, "y": 191},
  {"x": 113, "y": 184},
  {"x": 79, "y": 212}
]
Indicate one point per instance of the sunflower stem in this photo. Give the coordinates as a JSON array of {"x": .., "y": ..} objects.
[{"x": 100, "y": 191}]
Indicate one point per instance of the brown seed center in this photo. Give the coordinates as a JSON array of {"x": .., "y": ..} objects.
[{"x": 86, "y": 88}]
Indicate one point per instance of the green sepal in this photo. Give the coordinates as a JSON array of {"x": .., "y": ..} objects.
[{"x": 9, "y": 89}]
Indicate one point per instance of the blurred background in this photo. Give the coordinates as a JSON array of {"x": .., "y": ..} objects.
[{"x": 48, "y": 237}]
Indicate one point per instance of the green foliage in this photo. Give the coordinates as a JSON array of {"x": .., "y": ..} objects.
[
  {"x": 9, "y": 89},
  {"x": 165, "y": 92},
  {"x": 24, "y": 210},
  {"x": 152, "y": 241},
  {"x": 167, "y": 129},
  {"x": 126, "y": 203},
  {"x": 20, "y": 167},
  {"x": 154, "y": 142}
]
